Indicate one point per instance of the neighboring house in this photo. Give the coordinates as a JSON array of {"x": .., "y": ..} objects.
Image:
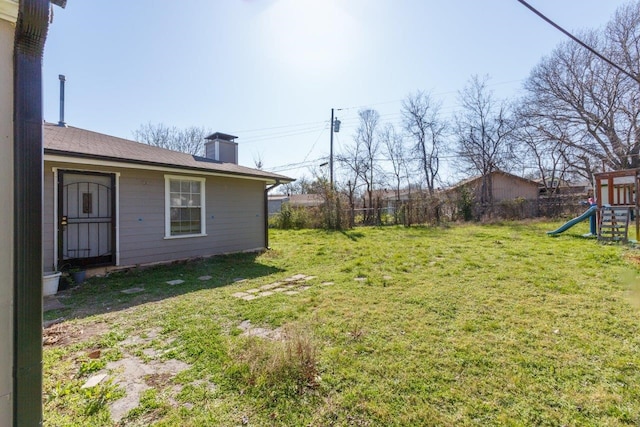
[
  {"x": 113, "y": 202},
  {"x": 392, "y": 195},
  {"x": 306, "y": 200},
  {"x": 276, "y": 201},
  {"x": 581, "y": 188},
  {"x": 505, "y": 186},
  {"x": 564, "y": 187}
]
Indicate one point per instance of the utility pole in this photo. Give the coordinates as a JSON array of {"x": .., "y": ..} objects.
[
  {"x": 334, "y": 127},
  {"x": 331, "y": 152}
]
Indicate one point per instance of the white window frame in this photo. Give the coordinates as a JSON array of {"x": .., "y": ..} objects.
[{"x": 167, "y": 206}]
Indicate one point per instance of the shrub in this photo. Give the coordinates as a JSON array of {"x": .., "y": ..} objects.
[
  {"x": 465, "y": 204},
  {"x": 272, "y": 369},
  {"x": 290, "y": 218}
]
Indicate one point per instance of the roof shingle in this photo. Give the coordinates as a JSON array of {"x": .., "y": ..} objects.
[{"x": 75, "y": 142}]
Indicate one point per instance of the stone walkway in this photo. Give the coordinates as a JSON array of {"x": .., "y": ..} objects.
[
  {"x": 290, "y": 286},
  {"x": 51, "y": 303}
]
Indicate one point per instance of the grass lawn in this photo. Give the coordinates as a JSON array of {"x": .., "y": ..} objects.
[{"x": 467, "y": 325}]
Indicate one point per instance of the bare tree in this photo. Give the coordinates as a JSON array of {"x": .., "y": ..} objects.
[
  {"x": 352, "y": 162},
  {"x": 541, "y": 151},
  {"x": 258, "y": 161},
  {"x": 305, "y": 185},
  {"x": 482, "y": 130},
  {"x": 422, "y": 122},
  {"x": 396, "y": 153},
  {"x": 366, "y": 137},
  {"x": 189, "y": 140},
  {"x": 598, "y": 104}
]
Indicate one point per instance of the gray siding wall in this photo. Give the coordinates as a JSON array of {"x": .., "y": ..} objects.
[
  {"x": 228, "y": 152},
  {"x": 234, "y": 217}
]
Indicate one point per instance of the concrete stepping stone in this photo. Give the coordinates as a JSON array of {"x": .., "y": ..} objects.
[
  {"x": 291, "y": 293},
  {"x": 304, "y": 288},
  {"x": 239, "y": 279},
  {"x": 270, "y": 286},
  {"x": 175, "y": 282},
  {"x": 252, "y": 291},
  {"x": 51, "y": 303},
  {"x": 309, "y": 278},
  {"x": 203, "y": 278},
  {"x": 48, "y": 323},
  {"x": 94, "y": 381},
  {"x": 135, "y": 290},
  {"x": 249, "y": 297},
  {"x": 265, "y": 294},
  {"x": 240, "y": 294},
  {"x": 279, "y": 289},
  {"x": 360, "y": 279},
  {"x": 327, "y": 283}
]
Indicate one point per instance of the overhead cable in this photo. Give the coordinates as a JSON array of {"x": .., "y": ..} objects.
[{"x": 580, "y": 42}]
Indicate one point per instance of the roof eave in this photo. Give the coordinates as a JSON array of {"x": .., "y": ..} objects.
[{"x": 279, "y": 179}]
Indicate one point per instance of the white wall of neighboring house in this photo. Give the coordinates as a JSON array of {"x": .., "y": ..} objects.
[{"x": 8, "y": 14}]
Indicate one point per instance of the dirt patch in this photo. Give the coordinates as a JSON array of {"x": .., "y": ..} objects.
[
  {"x": 131, "y": 373},
  {"x": 135, "y": 376},
  {"x": 145, "y": 338},
  {"x": 158, "y": 380},
  {"x": 64, "y": 334},
  {"x": 270, "y": 334},
  {"x": 634, "y": 258}
]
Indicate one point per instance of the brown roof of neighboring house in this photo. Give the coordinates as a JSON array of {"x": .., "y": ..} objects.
[
  {"x": 277, "y": 197},
  {"x": 477, "y": 178},
  {"x": 306, "y": 200},
  {"x": 75, "y": 142}
]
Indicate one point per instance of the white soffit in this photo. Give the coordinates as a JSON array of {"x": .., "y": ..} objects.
[
  {"x": 124, "y": 165},
  {"x": 9, "y": 10}
]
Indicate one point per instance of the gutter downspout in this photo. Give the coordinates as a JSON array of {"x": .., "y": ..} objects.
[
  {"x": 266, "y": 213},
  {"x": 30, "y": 36}
]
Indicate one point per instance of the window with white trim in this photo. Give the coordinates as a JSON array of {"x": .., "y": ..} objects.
[{"x": 184, "y": 206}]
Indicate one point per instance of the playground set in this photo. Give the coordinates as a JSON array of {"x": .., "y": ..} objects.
[{"x": 616, "y": 205}]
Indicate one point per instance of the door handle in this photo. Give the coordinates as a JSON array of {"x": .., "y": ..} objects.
[{"x": 63, "y": 221}]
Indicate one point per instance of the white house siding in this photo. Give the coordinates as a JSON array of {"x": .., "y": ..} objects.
[{"x": 234, "y": 217}]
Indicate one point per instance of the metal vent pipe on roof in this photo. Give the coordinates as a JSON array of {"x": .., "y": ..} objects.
[{"x": 62, "y": 80}]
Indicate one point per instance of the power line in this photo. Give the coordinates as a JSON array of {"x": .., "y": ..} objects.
[
  {"x": 347, "y": 118},
  {"x": 314, "y": 144},
  {"x": 297, "y": 165},
  {"x": 577, "y": 40},
  {"x": 283, "y": 134},
  {"x": 277, "y": 127}
]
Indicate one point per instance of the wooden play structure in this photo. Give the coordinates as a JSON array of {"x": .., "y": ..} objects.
[{"x": 616, "y": 196}]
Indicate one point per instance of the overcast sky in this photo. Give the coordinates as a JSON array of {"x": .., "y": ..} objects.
[{"x": 269, "y": 71}]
